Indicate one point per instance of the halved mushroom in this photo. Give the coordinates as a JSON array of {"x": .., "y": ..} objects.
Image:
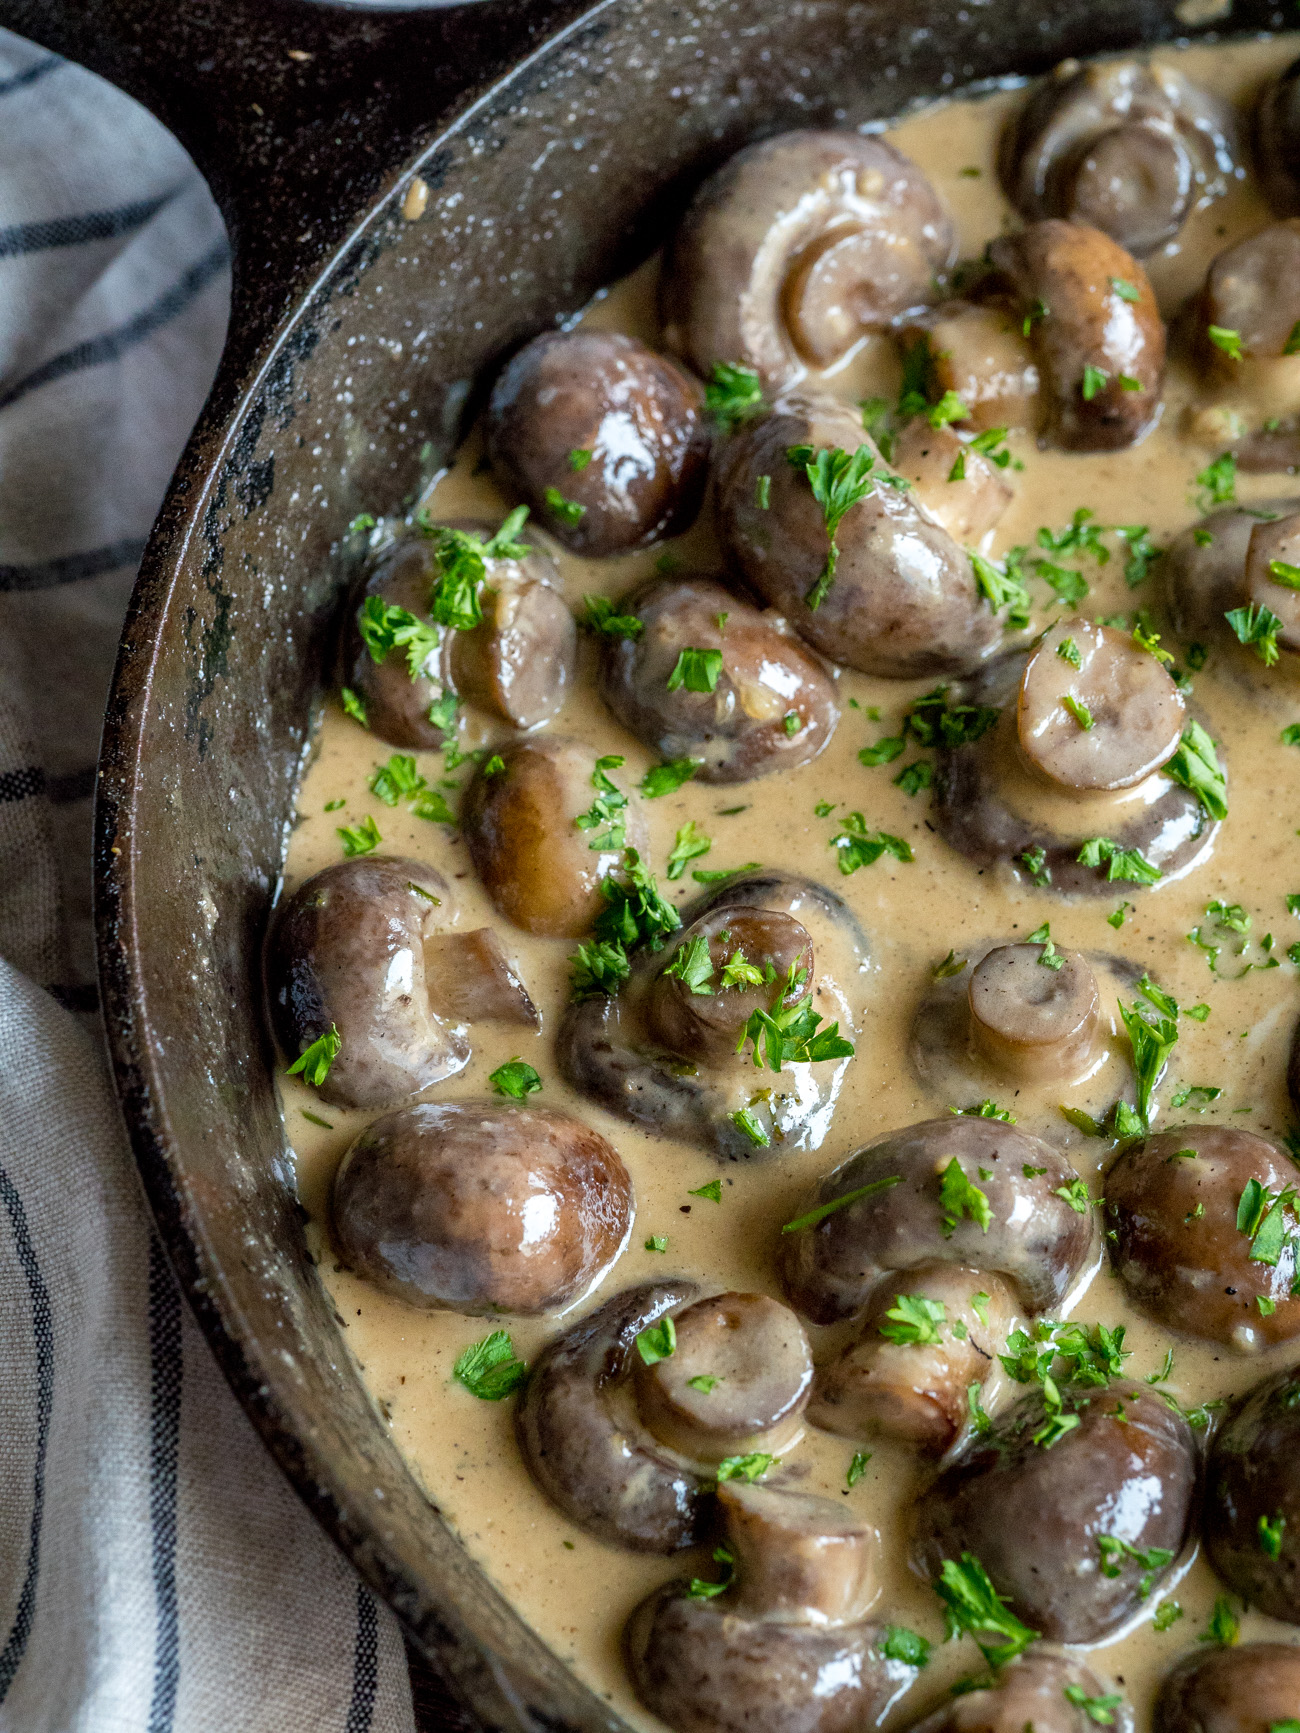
[
  {"x": 957, "y": 485},
  {"x": 1129, "y": 148},
  {"x": 769, "y": 705},
  {"x": 583, "y": 1443},
  {"x": 901, "y": 1211},
  {"x": 453, "y": 1206},
  {"x": 516, "y": 664},
  {"x": 993, "y": 806},
  {"x": 784, "y": 1647},
  {"x": 1230, "y": 1690},
  {"x": 1035, "y": 1497},
  {"x": 926, "y": 1338},
  {"x": 357, "y": 948},
  {"x": 1095, "y": 331},
  {"x": 662, "y": 1053},
  {"x": 795, "y": 249},
  {"x": 605, "y": 439},
  {"x": 902, "y": 599},
  {"x": 545, "y": 831},
  {"x": 983, "y": 356},
  {"x": 1030, "y": 1692},
  {"x": 1204, "y": 570},
  {"x": 1251, "y": 1523},
  {"x": 1173, "y": 1204}
]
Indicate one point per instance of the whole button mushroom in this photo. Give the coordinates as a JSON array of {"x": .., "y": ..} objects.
[
  {"x": 1196, "y": 1215},
  {"x": 544, "y": 832},
  {"x": 1033, "y": 1502},
  {"x": 1245, "y": 1690},
  {"x": 1094, "y": 328},
  {"x": 1204, "y": 570},
  {"x": 982, "y": 357},
  {"x": 663, "y": 1050},
  {"x": 1043, "y": 1690},
  {"x": 357, "y": 949},
  {"x": 517, "y": 663},
  {"x": 1251, "y": 1522},
  {"x": 481, "y": 1209},
  {"x": 968, "y": 506},
  {"x": 902, "y": 599},
  {"x": 766, "y": 705},
  {"x": 1034, "y": 1020},
  {"x": 603, "y": 438},
  {"x": 1128, "y": 148},
  {"x": 795, "y": 249},
  {"x": 785, "y": 1647},
  {"x": 900, "y": 1212},
  {"x": 1272, "y": 576}
]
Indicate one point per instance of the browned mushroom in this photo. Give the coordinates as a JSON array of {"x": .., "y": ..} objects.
[
  {"x": 1231, "y": 1690},
  {"x": 1173, "y": 1204},
  {"x": 767, "y": 705},
  {"x": 957, "y": 485},
  {"x": 797, "y": 247},
  {"x": 1277, "y": 136},
  {"x": 771, "y": 959},
  {"x": 481, "y": 1209},
  {"x": 981, "y": 354},
  {"x": 603, "y": 438},
  {"x": 1204, "y": 570},
  {"x": 1252, "y": 1499},
  {"x": 1030, "y": 1692}
]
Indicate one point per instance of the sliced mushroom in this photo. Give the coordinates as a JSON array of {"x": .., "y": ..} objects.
[
  {"x": 1034, "y": 1021},
  {"x": 899, "y": 1219},
  {"x": 537, "y": 837},
  {"x": 768, "y": 706},
  {"x": 1230, "y": 1690},
  {"x": 983, "y": 356},
  {"x": 904, "y": 599},
  {"x": 1172, "y": 1204},
  {"x": 699, "y": 1017},
  {"x": 517, "y": 664},
  {"x": 958, "y": 486},
  {"x": 347, "y": 951},
  {"x": 609, "y": 1049},
  {"x": 784, "y": 1649},
  {"x": 1030, "y": 1692},
  {"x": 1094, "y": 328},
  {"x": 603, "y": 438},
  {"x": 1251, "y": 1524},
  {"x": 1095, "y": 710},
  {"x": 992, "y": 807},
  {"x": 1033, "y": 1501},
  {"x": 481, "y": 1209},
  {"x": 915, "y": 1387},
  {"x": 1204, "y": 568},
  {"x": 738, "y": 1380},
  {"x": 583, "y": 1444},
  {"x": 1129, "y": 148},
  {"x": 795, "y": 249}
]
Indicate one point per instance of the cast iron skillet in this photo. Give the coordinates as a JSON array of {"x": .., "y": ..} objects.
[{"x": 357, "y": 344}]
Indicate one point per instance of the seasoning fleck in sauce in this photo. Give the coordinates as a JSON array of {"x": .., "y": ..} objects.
[{"x": 575, "y": 1591}]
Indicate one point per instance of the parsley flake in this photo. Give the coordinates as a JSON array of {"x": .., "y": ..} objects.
[
  {"x": 819, "y": 1214},
  {"x": 489, "y": 1369},
  {"x": 838, "y": 481},
  {"x": 516, "y": 1079},
  {"x": 313, "y": 1063},
  {"x": 602, "y": 615},
  {"x": 972, "y": 1605},
  {"x": 697, "y": 670},
  {"x": 663, "y": 779},
  {"x": 732, "y": 395},
  {"x": 958, "y": 1197}
]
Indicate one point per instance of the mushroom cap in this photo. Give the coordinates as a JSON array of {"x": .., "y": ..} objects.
[
  {"x": 481, "y": 1209},
  {"x": 709, "y": 1020},
  {"x": 1277, "y": 140},
  {"x": 1203, "y": 579},
  {"x": 1230, "y": 1690},
  {"x": 1033, "y": 1516},
  {"x": 795, "y": 248},
  {"x": 1253, "y": 288},
  {"x": 904, "y": 600},
  {"x": 636, "y": 413},
  {"x": 1034, "y": 1237},
  {"x": 1193, "y": 1271},
  {"x": 1253, "y": 1477},
  {"x": 581, "y": 1440},
  {"x": 1029, "y": 1691},
  {"x": 347, "y": 950},
  {"x": 742, "y": 727},
  {"x": 1272, "y": 574}
]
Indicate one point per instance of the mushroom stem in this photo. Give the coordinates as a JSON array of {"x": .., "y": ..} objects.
[
  {"x": 1035, "y": 1012},
  {"x": 472, "y": 980},
  {"x": 798, "y": 1559}
]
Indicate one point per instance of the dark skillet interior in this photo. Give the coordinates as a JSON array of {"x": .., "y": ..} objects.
[{"x": 557, "y": 183}]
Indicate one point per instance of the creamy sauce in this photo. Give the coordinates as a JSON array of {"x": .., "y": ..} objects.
[{"x": 575, "y": 1591}]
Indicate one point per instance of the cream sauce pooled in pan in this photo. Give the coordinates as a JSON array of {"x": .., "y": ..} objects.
[{"x": 575, "y": 1591}]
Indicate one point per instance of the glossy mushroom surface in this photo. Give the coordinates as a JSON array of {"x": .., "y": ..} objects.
[
  {"x": 1204, "y": 569},
  {"x": 958, "y": 486},
  {"x": 1240, "y": 1690},
  {"x": 1277, "y": 140},
  {"x": 984, "y": 357},
  {"x": 1032, "y": 1020},
  {"x": 615, "y": 1048},
  {"x": 1034, "y": 1512},
  {"x": 521, "y": 814},
  {"x": 1251, "y": 1524},
  {"x": 603, "y": 437},
  {"x": 1172, "y": 1207},
  {"x": 1029, "y": 1692},
  {"x": 904, "y": 599},
  {"x": 581, "y": 1439},
  {"x": 795, "y": 248},
  {"x": 900, "y": 1222},
  {"x": 1120, "y": 145},
  {"x": 769, "y": 705},
  {"x": 486, "y": 1209}
]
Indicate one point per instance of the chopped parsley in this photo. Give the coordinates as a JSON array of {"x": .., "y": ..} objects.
[
  {"x": 1068, "y": 651},
  {"x": 712, "y": 1191},
  {"x": 667, "y": 778},
  {"x": 952, "y": 964},
  {"x": 1125, "y": 290},
  {"x": 567, "y": 510},
  {"x": 1218, "y": 482},
  {"x": 972, "y": 1605},
  {"x": 1141, "y": 552},
  {"x": 958, "y": 1197},
  {"x": 1258, "y": 626},
  {"x": 1151, "y": 1041},
  {"x": 606, "y": 813},
  {"x": 361, "y": 838},
  {"x": 489, "y": 1369},
  {"x": 1122, "y": 864},
  {"x": 1094, "y": 379},
  {"x": 1080, "y": 711},
  {"x": 915, "y": 776},
  {"x": 397, "y": 780},
  {"x": 354, "y": 706},
  {"x": 657, "y": 1243},
  {"x": 657, "y": 1341},
  {"x": 1117, "y": 919},
  {"x": 857, "y": 1467},
  {"x": 515, "y": 1078},
  {"x": 906, "y": 1646},
  {"x": 1076, "y": 1195},
  {"x": 701, "y": 1590},
  {"x": 1115, "y": 1553},
  {"x": 746, "y": 1121},
  {"x": 1224, "y": 1626},
  {"x": 763, "y": 493},
  {"x": 1001, "y": 588},
  {"x": 688, "y": 846},
  {"x": 859, "y": 847},
  {"x": 1271, "y": 1531},
  {"x": 1196, "y": 765},
  {"x": 732, "y": 395},
  {"x": 1167, "y": 1615},
  {"x": 949, "y": 408},
  {"x": 462, "y": 559},
  {"x": 751, "y": 1467},
  {"x": 933, "y": 721},
  {"x": 697, "y": 670},
  {"x": 635, "y": 913},
  {"x": 914, "y": 1321},
  {"x": 704, "y": 1382},
  {"x": 1226, "y": 341},
  {"x": 385, "y": 628},
  {"x": 716, "y": 878},
  {"x": 819, "y": 1214},
  {"x": 313, "y": 1063},
  {"x": 791, "y": 1032},
  {"x": 599, "y": 614},
  {"x": 1261, "y": 1215},
  {"x": 1286, "y": 575},
  {"x": 1098, "y": 1709},
  {"x": 692, "y": 965},
  {"x": 987, "y": 1109},
  {"x": 838, "y": 481},
  {"x": 1034, "y": 861},
  {"x": 579, "y": 458},
  {"x": 889, "y": 748},
  {"x": 1049, "y": 957},
  {"x": 598, "y": 967}
]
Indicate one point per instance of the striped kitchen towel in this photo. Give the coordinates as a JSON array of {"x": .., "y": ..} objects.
[{"x": 156, "y": 1572}]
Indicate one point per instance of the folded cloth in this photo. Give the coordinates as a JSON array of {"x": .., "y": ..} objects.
[{"x": 157, "y": 1574}]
